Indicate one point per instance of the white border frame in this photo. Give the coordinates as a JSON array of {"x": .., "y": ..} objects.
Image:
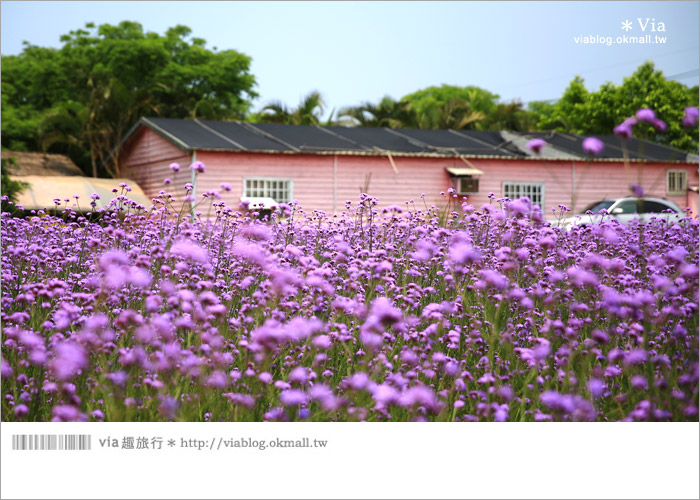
[
  {"x": 540, "y": 184},
  {"x": 282, "y": 179}
]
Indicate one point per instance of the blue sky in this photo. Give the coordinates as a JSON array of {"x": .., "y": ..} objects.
[{"x": 360, "y": 51}]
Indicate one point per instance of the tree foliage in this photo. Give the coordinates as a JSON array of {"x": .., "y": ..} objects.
[
  {"x": 9, "y": 187},
  {"x": 307, "y": 113},
  {"x": 582, "y": 112},
  {"x": 443, "y": 107},
  {"x": 81, "y": 99}
]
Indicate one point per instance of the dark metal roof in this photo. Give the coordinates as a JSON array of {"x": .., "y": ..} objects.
[
  {"x": 614, "y": 147},
  {"x": 264, "y": 137}
]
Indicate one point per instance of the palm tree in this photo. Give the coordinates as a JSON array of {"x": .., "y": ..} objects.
[
  {"x": 307, "y": 113},
  {"x": 388, "y": 113},
  {"x": 455, "y": 114},
  {"x": 509, "y": 116}
]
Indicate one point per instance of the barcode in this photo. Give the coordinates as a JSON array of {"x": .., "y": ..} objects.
[{"x": 51, "y": 442}]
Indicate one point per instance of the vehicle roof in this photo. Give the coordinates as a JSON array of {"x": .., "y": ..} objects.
[{"x": 650, "y": 198}]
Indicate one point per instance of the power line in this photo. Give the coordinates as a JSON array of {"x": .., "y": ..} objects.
[
  {"x": 677, "y": 76},
  {"x": 600, "y": 68},
  {"x": 685, "y": 74}
]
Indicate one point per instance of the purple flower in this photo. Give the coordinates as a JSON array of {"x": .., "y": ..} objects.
[
  {"x": 69, "y": 360},
  {"x": 536, "y": 145},
  {"x": 175, "y": 167},
  {"x": 293, "y": 397},
  {"x": 117, "y": 378},
  {"x": 226, "y": 186},
  {"x": 463, "y": 254},
  {"x": 636, "y": 357},
  {"x": 659, "y": 125},
  {"x": 422, "y": 396},
  {"x": 217, "y": 379},
  {"x": 384, "y": 312},
  {"x": 639, "y": 382},
  {"x": 637, "y": 190},
  {"x": 358, "y": 381},
  {"x": 67, "y": 413},
  {"x": 5, "y": 369},
  {"x": 689, "y": 121},
  {"x": 691, "y": 116},
  {"x": 298, "y": 375},
  {"x": 645, "y": 115},
  {"x": 168, "y": 407},
  {"x": 322, "y": 342},
  {"x": 385, "y": 395},
  {"x": 491, "y": 279},
  {"x": 519, "y": 208},
  {"x": 593, "y": 146},
  {"x": 558, "y": 402},
  {"x": 21, "y": 411},
  {"x": 189, "y": 250},
  {"x": 623, "y": 131},
  {"x": 596, "y": 386},
  {"x": 198, "y": 167}
]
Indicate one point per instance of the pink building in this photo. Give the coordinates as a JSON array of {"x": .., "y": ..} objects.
[{"x": 322, "y": 167}]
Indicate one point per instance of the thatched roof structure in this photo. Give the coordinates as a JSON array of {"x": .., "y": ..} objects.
[{"x": 42, "y": 164}]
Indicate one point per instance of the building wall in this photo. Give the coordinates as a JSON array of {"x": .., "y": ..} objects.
[
  {"x": 147, "y": 159},
  {"x": 579, "y": 183},
  {"x": 574, "y": 184}
]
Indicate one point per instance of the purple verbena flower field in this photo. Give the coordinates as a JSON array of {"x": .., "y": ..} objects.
[{"x": 381, "y": 314}]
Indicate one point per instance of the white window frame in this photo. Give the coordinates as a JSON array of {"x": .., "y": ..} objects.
[
  {"x": 684, "y": 182},
  {"x": 266, "y": 188},
  {"x": 520, "y": 185}
]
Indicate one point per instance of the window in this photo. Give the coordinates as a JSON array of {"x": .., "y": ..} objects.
[
  {"x": 627, "y": 207},
  {"x": 467, "y": 185},
  {"x": 654, "y": 207},
  {"x": 676, "y": 182},
  {"x": 279, "y": 190},
  {"x": 533, "y": 190}
]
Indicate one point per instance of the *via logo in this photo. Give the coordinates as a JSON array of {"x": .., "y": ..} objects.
[{"x": 652, "y": 24}]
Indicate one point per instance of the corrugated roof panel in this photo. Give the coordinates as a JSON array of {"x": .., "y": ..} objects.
[
  {"x": 647, "y": 150},
  {"x": 236, "y": 136},
  {"x": 192, "y": 133},
  {"x": 307, "y": 138},
  {"x": 448, "y": 142},
  {"x": 636, "y": 148},
  {"x": 246, "y": 136},
  {"x": 377, "y": 138}
]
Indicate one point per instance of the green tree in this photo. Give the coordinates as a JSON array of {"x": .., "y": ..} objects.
[
  {"x": 582, "y": 112},
  {"x": 387, "y": 113},
  {"x": 81, "y": 99},
  {"x": 509, "y": 116},
  {"x": 307, "y": 113},
  {"x": 9, "y": 187},
  {"x": 444, "y": 107},
  {"x": 449, "y": 106}
]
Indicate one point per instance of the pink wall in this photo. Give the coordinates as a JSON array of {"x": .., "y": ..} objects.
[
  {"x": 313, "y": 177},
  {"x": 146, "y": 160},
  {"x": 148, "y": 156},
  {"x": 587, "y": 182}
]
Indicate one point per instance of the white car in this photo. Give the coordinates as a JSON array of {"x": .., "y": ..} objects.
[{"x": 625, "y": 210}]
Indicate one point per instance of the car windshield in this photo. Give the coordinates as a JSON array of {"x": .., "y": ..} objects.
[{"x": 598, "y": 206}]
